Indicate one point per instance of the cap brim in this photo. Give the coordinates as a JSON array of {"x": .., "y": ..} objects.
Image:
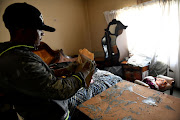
[
  {"x": 48, "y": 28},
  {"x": 125, "y": 27}
]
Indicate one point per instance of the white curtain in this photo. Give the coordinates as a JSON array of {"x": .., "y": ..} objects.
[
  {"x": 110, "y": 15},
  {"x": 154, "y": 30}
]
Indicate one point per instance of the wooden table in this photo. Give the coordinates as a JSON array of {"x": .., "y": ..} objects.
[{"x": 127, "y": 100}]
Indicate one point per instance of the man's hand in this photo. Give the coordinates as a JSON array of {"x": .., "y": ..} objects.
[{"x": 87, "y": 67}]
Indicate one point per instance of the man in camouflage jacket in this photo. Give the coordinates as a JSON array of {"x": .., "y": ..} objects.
[{"x": 26, "y": 80}]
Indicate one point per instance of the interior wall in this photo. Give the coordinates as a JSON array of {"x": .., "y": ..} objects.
[
  {"x": 67, "y": 16},
  {"x": 79, "y": 23},
  {"x": 97, "y": 20}
]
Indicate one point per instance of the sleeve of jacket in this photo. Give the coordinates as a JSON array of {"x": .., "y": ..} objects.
[{"x": 47, "y": 85}]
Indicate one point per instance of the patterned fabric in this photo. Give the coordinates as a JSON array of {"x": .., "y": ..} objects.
[
  {"x": 162, "y": 83},
  {"x": 151, "y": 82},
  {"x": 101, "y": 80}
]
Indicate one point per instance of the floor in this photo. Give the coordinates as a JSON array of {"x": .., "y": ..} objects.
[{"x": 176, "y": 92}]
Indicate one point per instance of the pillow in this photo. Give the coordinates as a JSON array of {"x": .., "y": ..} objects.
[{"x": 162, "y": 83}]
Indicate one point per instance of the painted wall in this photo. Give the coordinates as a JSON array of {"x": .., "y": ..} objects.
[
  {"x": 97, "y": 20},
  {"x": 79, "y": 23},
  {"x": 67, "y": 16}
]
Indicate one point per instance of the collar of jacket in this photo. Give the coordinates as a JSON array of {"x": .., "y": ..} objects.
[{"x": 16, "y": 46}]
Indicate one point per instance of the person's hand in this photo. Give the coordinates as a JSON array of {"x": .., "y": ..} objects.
[
  {"x": 86, "y": 66},
  {"x": 88, "y": 71},
  {"x": 89, "y": 76},
  {"x": 85, "y": 69}
]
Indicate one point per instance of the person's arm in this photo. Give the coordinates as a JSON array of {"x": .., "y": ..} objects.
[
  {"x": 41, "y": 81},
  {"x": 66, "y": 70},
  {"x": 84, "y": 65}
]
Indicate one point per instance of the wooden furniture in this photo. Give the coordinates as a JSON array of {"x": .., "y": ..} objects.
[
  {"x": 132, "y": 73},
  {"x": 50, "y": 56},
  {"x": 127, "y": 100},
  {"x": 108, "y": 42}
]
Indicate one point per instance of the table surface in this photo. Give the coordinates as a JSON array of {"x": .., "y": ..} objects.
[{"x": 129, "y": 101}]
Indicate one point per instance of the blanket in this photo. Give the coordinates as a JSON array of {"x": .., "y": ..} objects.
[{"x": 101, "y": 80}]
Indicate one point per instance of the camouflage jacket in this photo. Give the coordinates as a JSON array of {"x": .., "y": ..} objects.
[{"x": 31, "y": 85}]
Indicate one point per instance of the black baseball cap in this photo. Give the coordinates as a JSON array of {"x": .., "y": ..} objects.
[{"x": 23, "y": 15}]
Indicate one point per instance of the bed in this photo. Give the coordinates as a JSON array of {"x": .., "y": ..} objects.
[{"x": 101, "y": 80}]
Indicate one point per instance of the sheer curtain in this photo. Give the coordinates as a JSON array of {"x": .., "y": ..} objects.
[{"x": 153, "y": 30}]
